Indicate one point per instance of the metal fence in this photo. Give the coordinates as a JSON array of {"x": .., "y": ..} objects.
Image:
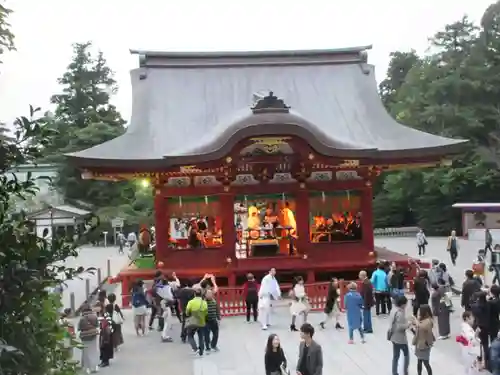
[{"x": 396, "y": 232}]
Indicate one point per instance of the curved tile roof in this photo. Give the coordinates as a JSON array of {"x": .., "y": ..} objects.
[{"x": 186, "y": 104}]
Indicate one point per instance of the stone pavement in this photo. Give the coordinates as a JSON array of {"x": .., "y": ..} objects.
[
  {"x": 90, "y": 256},
  {"x": 436, "y": 249},
  {"x": 242, "y": 350}
]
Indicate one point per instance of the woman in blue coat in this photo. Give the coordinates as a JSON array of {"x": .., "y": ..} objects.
[{"x": 353, "y": 303}]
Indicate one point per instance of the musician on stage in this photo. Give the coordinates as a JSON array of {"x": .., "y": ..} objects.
[{"x": 269, "y": 291}]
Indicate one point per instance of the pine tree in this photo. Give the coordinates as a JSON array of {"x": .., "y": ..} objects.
[{"x": 84, "y": 118}]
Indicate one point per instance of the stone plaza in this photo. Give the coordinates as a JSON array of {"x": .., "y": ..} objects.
[{"x": 242, "y": 345}]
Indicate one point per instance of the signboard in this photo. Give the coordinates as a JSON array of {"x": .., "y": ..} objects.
[{"x": 117, "y": 222}]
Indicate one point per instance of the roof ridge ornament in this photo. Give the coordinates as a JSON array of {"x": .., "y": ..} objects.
[{"x": 270, "y": 103}]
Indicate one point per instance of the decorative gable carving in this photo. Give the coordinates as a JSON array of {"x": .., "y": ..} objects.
[
  {"x": 270, "y": 103},
  {"x": 179, "y": 181}
]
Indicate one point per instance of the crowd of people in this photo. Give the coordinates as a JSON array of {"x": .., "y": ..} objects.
[{"x": 195, "y": 307}]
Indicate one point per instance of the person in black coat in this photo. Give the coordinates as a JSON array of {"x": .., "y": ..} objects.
[
  {"x": 482, "y": 318},
  {"x": 421, "y": 291},
  {"x": 184, "y": 295},
  {"x": 332, "y": 308},
  {"x": 494, "y": 307},
  {"x": 469, "y": 288}
]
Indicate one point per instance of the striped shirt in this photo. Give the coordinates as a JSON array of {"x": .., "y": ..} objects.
[
  {"x": 108, "y": 322},
  {"x": 213, "y": 310}
]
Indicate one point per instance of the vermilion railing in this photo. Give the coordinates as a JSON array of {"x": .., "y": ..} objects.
[{"x": 232, "y": 302}]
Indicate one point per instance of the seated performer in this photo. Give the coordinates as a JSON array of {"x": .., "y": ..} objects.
[
  {"x": 300, "y": 304},
  {"x": 290, "y": 233},
  {"x": 196, "y": 240},
  {"x": 253, "y": 223},
  {"x": 269, "y": 291},
  {"x": 321, "y": 232},
  {"x": 270, "y": 221}
]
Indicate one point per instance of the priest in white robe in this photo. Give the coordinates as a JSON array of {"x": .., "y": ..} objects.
[{"x": 269, "y": 291}]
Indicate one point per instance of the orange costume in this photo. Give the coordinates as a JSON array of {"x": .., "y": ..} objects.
[{"x": 287, "y": 220}]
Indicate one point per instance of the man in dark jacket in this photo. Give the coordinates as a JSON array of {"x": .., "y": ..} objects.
[
  {"x": 184, "y": 295},
  {"x": 367, "y": 295},
  {"x": 469, "y": 287},
  {"x": 494, "y": 307}
]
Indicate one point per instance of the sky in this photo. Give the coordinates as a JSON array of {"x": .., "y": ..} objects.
[{"x": 45, "y": 31}]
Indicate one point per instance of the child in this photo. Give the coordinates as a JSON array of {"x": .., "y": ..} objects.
[{"x": 353, "y": 303}]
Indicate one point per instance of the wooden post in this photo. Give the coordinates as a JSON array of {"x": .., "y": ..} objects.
[
  {"x": 302, "y": 220},
  {"x": 161, "y": 226},
  {"x": 125, "y": 292},
  {"x": 228, "y": 228},
  {"x": 367, "y": 217}
]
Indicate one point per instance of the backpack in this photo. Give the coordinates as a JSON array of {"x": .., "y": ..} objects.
[
  {"x": 137, "y": 299},
  {"x": 165, "y": 292},
  {"x": 252, "y": 291}
]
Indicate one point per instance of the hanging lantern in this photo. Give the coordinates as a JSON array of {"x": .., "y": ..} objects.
[
  {"x": 283, "y": 197},
  {"x": 180, "y": 201},
  {"x": 323, "y": 197},
  {"x": 206, "y": 200},
  {"x": 245, "y": 200}
]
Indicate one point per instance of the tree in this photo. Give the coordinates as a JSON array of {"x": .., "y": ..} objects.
[
  {"x": 452, "y": 92},
  {"x": 6, "y": 35},
  {"x": 84, "y": 118},
  {"x": 399, "y": 66},
  {"x": 30, "y": 336}
]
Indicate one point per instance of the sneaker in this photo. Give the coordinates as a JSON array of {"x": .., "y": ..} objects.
[
  {"x": 350, "y": 342},
  {"x": 264, "y": 328},
  {"x": 363, "y": 341},
  {"x": 216, "y": 349},
  {"x": 208, "y": 350},
  {"x": 167, "y": 339},
  {"x": 322, "y": 325}
]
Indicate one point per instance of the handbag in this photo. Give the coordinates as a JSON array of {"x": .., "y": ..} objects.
[
  {"x": 284, "y": 370},
  {"x": 117, "y": 316},
  {"x": 193, "y": 321},
  {"x": 389, "y": 331}
]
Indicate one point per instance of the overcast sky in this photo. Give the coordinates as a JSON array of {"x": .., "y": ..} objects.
[{"x": 46, "y": 29}]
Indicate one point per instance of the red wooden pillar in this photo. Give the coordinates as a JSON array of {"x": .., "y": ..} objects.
[
  {"x": 302, "y": 220},
  {"x": 367, "y": 216},
  {"x": 162, "y": 223},
  {"x": 228, "y": 231}
]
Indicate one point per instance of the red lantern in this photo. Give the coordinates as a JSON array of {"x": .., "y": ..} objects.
[{"x": 160, "y": 264}]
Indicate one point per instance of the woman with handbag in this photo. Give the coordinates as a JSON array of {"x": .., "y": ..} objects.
[
  {"x": 274, "y": 359},
  {"x": 300, "y": 304},
  {"x": 117, "y": 322},
  {"x": 424, "y": 338},
  {"x": 332, "y": 308},
  {"x": 441, "y": 308}
]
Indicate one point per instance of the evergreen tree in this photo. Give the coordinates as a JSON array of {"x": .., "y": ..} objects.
[
  {"x": 452, "y": 92},
  {"x": 84, "y": 118}
]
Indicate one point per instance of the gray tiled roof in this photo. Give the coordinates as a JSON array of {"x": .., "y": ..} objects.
[{"x": 191, "y": 103}]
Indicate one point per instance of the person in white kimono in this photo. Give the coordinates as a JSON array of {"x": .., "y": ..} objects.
[
  {"x": 300, "y": 303},
  {"x": 269, "y": 291},
  {"x": 471, "y": 346}
]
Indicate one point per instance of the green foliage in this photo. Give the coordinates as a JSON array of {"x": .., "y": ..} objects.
[
  {"x": 6, "y": 35},
  {"x": 84, "y": 118},
  {"x": 30, "y": 337},
  {"x": 452, "y": 92}
]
